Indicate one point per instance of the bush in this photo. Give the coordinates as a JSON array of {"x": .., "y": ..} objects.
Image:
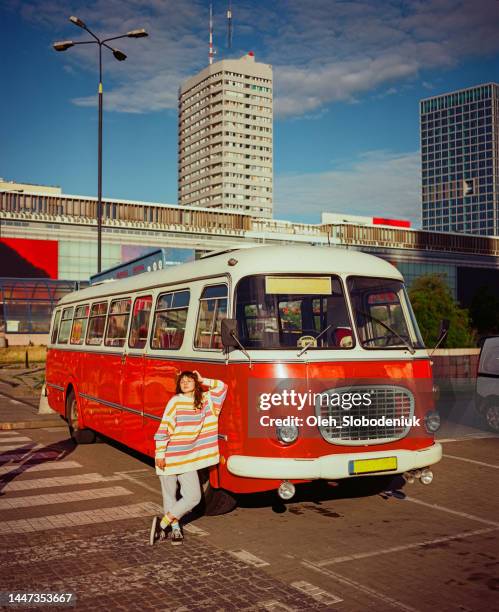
[{"x": 432, "y": 301}]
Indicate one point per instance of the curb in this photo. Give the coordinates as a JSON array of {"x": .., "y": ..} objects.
[
  {"x": 39, "y": 424},
  {"x": 19, "y": 399}
]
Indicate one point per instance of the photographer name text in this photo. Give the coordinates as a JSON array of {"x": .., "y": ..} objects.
[{"x": 346, "y": 420}]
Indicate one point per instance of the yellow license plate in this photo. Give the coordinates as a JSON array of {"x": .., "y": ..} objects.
[{"x": 367, "y": 466}]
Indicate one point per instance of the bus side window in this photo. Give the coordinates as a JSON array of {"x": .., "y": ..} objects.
[
  {"x": 97, "y": 323},
  {"x": 65, "y": 328},
  {"x": 55, "y": 328},
  {"x": 117, "y": 322},
  {"x": 140, "y": 322},
  {"x": 170, "y": 318},
  {"x": 80, "y": 322},
  {"x": 212, "y": 310}
]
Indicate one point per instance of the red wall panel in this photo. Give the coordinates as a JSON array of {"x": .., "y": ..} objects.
[{"x": 29, "y": 258}]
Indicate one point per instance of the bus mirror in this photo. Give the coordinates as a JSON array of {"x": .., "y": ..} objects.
[{"x": 229, "y": 330}]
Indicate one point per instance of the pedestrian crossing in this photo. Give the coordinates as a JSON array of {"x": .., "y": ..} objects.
[
  {"x": 42, "y": 490},
  {"x": 47, "y": 500},
  {"x": 41, "y": 467}
]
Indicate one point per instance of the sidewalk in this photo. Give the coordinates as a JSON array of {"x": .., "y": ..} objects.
[{"x": 20, "y": 390}]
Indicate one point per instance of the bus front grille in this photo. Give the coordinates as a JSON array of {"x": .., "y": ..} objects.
[{"x": 365, "y": 424}]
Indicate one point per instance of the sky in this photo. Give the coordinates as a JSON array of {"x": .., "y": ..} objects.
[{"x": 348, "y": 78}]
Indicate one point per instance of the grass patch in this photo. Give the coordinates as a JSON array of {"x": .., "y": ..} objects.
[{"x": 17, "y": 355}]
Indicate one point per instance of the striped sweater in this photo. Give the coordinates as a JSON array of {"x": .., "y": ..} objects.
[{"x": 187, "y": 438}]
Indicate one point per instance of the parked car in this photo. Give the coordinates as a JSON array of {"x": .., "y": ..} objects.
[{"x": 487, "y": 382}]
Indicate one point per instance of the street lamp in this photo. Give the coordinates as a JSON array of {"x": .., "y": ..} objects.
[{"x": 120, "y": 56}]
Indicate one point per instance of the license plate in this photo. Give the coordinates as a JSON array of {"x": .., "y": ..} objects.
[{"x": 368, "y": 466}]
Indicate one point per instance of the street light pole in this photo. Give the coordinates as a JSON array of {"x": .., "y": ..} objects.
[
  {"x": 99, "y": 163},
  {"x": 120, "y": 56}
]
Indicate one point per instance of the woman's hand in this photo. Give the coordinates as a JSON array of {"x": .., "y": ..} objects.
[
  {"x": 198, "y": 376},
  {"x": 161, "y": 463}
]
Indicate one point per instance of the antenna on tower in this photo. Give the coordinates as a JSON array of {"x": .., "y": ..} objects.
[
  {"x": 229, "y": 25},
  {"x": 211, "y": 52}
]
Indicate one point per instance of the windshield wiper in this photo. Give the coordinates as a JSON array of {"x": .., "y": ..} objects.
[
  {"x": 307, "y": 346},
  {"x": 407, "y": 343}
]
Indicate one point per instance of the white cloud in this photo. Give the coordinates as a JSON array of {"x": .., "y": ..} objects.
[
  {"x": 378, "y": 183},
  {"x": 322, "y": 51}
]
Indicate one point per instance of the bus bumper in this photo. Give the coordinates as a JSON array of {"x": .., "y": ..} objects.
[{"x": 331, "y": 467}]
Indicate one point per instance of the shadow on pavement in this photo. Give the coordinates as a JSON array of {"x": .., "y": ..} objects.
[
  {"x": 319, "y": 491},
  {"x": 31, "y": 456}
]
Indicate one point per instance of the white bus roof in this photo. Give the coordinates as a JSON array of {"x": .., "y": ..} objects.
[{"x": 257, "y": 260}]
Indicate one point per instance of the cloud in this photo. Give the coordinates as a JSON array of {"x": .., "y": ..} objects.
[
  {"x": 322, "y": 52},
  {"x": 345, "y": 49},
  {"x": 377, "y": 183}
]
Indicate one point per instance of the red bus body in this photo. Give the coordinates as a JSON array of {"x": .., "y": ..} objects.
[{"x": 121, "y": 392}]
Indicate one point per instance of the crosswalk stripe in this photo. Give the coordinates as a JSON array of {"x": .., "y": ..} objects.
[
  {"x": 14, "y": 439},
  {"x": 13, "y": 447},
  {"x": 74, "y": 519},
  {"x": 58, "y": 481},
  {"x": 61, "y": 498},
  {"x": 40, "y": 467},
  {"x": 247, "y": 557},
  {"x": 35, "y": 455},
  {"x": 8, "y": 432}
]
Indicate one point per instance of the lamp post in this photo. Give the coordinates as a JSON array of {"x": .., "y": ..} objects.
[{"x": 120, "y": 56}]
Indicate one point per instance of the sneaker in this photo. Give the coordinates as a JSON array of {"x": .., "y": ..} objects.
[
  {"x": 177, "y": 537},
  {"x": 156, "y": 532}
]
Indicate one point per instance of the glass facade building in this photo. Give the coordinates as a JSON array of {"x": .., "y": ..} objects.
[
  {"x": 460, "y": 171},
  {"x": 26, "y": 305}
]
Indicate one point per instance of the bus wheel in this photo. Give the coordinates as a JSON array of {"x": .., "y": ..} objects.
[
  {"x": 492, "y": 416},
  {"x": 217, "y": 501},
  {"x": 79, "y": 435}
]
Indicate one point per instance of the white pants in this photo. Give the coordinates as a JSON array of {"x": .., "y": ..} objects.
[{"x": 190, "y": 493}]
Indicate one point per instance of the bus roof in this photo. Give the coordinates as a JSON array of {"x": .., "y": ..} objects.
[{"x": 256, "y": 260}]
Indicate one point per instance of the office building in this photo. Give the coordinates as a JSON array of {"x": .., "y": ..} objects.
[
  {"x": 460, "y": 162},
  {"x": 225, "y": 137}
]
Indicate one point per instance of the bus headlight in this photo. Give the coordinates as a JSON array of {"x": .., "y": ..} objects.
[
  {"x": 287, "y": 433},
  {"x": 432, "y": 421}
]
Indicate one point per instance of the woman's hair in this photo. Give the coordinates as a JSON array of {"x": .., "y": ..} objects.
[{"x": 198, "y": 389}]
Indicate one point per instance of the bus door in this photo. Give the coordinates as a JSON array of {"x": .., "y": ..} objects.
[
  {"x": 162, "y": 365},
  {"x": 110, "y": 380},
  {"x": 132, "y": 380}
]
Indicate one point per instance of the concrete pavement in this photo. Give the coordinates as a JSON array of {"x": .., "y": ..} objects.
[{"x": 20, "y": 391}]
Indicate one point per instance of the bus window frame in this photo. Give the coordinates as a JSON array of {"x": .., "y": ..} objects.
[
  {"x": 75, "y": 318},
  {"x": 414, "y": 333},
  {"x": 72, "y": 309},
  {"x": 160, "y": 295},
  {"x": 201, "y": 299},
  {"x": 135, "y": 300},
  {"x": 109, "y": 315},
  {"x": 349, "y": 311},
  {"x": 106, "y": 302},
  {"x": 55, "y": 325}
]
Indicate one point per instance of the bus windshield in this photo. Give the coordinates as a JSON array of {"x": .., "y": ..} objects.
[
  {"x": 290, "y": 312},
  {"x": 383, "y": 314}
]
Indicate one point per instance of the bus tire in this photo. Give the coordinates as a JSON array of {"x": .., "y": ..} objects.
[
  {"x": 79, "y": 435},
  {"x": 491, "y": 415},
  {"x": 218, "y": 501}
]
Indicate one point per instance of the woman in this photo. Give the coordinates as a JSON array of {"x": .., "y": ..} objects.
[{"x": 186, "y": 441}]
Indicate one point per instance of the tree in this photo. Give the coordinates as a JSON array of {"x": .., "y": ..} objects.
[{"x": 432, "y": 301}]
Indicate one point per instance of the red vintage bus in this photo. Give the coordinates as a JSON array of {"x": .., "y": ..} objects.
[{"x": 263, "y": 320}]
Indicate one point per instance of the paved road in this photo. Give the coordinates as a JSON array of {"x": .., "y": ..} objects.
[{"x": 77, "y": 519}]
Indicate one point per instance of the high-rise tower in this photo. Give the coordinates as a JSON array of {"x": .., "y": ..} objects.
[
  {"x": 460, "y": 161},
  {"x": 225, "y": 137}
]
